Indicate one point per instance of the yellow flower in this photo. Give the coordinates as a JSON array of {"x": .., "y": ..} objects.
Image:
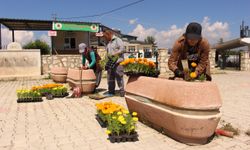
[
  {"x": 123, "y": 122},
  {"x": 132, "y": 127},
  {"x": 108, "y": 132},
  {"x": 193, "y": 75},
  {"x": 134, "y": 114},
  {"x": 125, "y": 111},
  {"x": 119, "y": 113},
  {"x": 121, "y": 118},
  {"x": 114, "y": 117},
  {"x": 193, "y": 64},
  {"x": 135, "y": 118}
]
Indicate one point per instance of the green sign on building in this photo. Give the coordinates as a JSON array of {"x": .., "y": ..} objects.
[{"x": 75, "y": 26}]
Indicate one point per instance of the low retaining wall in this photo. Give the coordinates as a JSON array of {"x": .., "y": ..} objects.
[{"x": 20, "y": 63}]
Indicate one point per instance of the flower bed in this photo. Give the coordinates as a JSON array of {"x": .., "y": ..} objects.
[
  {"x": 59, "y": 92},
  {"x": 28, "y": 96},
  {"x": 46, "y": 88},
  {"x": 120, "y": 123},
  {"x": 139, "y": 66},
  {"x": 36, "y": 93},
  {"x": 51, "y": 90}
]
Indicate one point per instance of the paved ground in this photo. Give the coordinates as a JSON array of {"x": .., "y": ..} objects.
[{"x": 70, "y": 123}]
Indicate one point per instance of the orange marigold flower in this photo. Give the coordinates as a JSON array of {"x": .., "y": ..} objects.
[
  {"x": 193, "y": 64},
  {"x": 193, "y": 75}
]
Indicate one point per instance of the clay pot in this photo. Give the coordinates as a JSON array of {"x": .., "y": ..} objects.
[
  {"x": 59, "y": 74},
  {"x": 88, "y": 82},
  {"x": 186, "y": 111}
]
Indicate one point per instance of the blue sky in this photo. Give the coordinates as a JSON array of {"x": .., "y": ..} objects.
[{"x": 163, "y": 19}]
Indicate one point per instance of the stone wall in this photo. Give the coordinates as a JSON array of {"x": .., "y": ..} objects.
[
  {"x": 74, "y": 61},
  {"x": 163, "y": 61},
  {"x": 69, "y": 61},
  {"x": 164, "y": 56},
  {"x": 245, "y": 61}
]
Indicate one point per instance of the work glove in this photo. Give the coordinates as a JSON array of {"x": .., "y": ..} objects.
[{"x": 179, "y": 73}]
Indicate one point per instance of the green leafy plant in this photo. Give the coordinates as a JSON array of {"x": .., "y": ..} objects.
[
  {"x": 59, "y": 91},
  {"x": 38, "y": 44},
  {"x": 122, "y": 122},
  {"x": 119, "y": 120},
  {"x": 106, "y": 60},
  {"x": 229, "y": 127},
  {"x": 24, "y": 94},
  {"x": 46, "y": 88}
]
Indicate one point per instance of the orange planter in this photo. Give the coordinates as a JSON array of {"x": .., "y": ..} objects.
[
  {"x": 186, "y": 111},
  {"x": 59, "y": 74},
  {"x": 88, "y": 79}
]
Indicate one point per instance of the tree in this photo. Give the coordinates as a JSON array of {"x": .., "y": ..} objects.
[
  {"x": 150, "y": 40},
  {"x": 220, "y": 41},
  {"x": 38, "y": 44}
]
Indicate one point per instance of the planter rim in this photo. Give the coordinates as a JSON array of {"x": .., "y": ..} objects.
[{"x": 180, "y": 94}]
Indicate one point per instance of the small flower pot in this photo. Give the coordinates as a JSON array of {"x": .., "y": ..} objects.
[
  {"x": 132, "y": 137},
  {"x": 61, "y": 96},
  {"x": 102, "y": 123},
  {"x": 26, "y": 100},
  {"x": 49, "y": 97}
]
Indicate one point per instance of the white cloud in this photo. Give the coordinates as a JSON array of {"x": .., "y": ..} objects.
[
  {"x": 214, "y": 31},
  {"x": 45, "y": 38},
  {"x": 22, "y": 37},
  {"x": 132, "y": 21},
  {"x": 165, "y": 38}
]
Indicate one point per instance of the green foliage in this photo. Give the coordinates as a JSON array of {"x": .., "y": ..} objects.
[
  {"x": 22, "y": 94},
  {"x": 121, "y": 122},
  {"x": 59, "y": 91},
  {"x": 140, "y": 69},
  {"x": 229, "y": 127},
  {"x": 202, "y": 77},
  {"x": 104, "y": 61},
  {"x": 38, "y": 44},
  {"x": 150, "y": 40}
]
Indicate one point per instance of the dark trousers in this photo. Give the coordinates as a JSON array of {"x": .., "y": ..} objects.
[
  {"x": 115, "y": 74},
  {"x": 98, "y": 74}
]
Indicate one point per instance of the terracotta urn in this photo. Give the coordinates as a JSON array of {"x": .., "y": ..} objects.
[
  {"x": 59, "y": 74},
  {"x": 85, "y": 79},
  {"x": 186, "y": 111}
]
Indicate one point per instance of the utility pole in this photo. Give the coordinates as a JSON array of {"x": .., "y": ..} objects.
[{"x": 54, "y": 17}]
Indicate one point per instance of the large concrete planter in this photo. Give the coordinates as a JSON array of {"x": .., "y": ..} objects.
[
  {"x": 186, "y": 111},
  {"x": 88, "y": 79},
  {"x": 59, "y": 74}
]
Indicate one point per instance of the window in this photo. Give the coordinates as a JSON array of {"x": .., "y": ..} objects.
[
  {"x": 146, "y": 49},
  {"x": 147, "y": 52},
  {"x": 131, "y": 48},
  {"x": 69, "y": 43}
]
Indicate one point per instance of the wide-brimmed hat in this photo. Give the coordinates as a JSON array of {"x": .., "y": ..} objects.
[{"x": 193, "y": 31}]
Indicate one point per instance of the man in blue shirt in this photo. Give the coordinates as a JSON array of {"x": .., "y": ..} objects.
[
  {"x": 93, "y": 58},
  {"x": 115, "y": 47}
]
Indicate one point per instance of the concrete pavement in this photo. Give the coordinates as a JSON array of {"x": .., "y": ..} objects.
[{"x": 70, "y": 123}]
